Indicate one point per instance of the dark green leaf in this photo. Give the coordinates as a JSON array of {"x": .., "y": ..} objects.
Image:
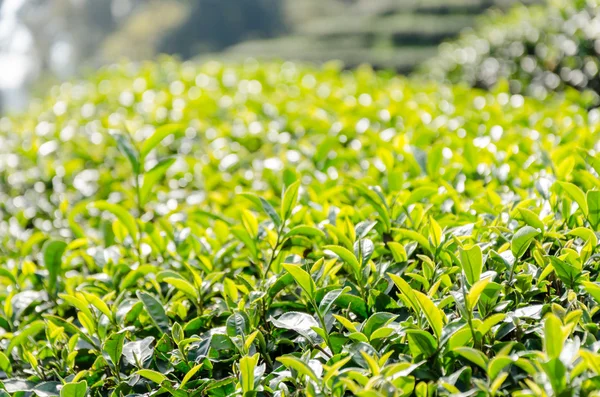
[
  {"x": 53, "y": 252},
  {"x": 156, "y": 311}
]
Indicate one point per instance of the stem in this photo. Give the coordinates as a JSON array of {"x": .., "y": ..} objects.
[
  {"x": 319, "y": 348},
  {"x": 117, "y": 372},
  {"x": 138, "y": 199},
  {"x": 266, "y": 272},
  {"x": 512, "y": 271},
  {"x": 273, "y": 255},
  {"x": 323, "y": 325},
  {"x": 201, "y": 301},
  {"x": 365, "y": 299},
  {"x": 469, "y": 314}
]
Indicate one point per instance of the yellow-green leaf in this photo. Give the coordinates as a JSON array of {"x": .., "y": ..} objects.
[
  {"x": 122, "y": 214},
  {"x": 434, "y": 316},
  {"x": 154, "y": 376},
  {"x": 298, "y": 365},
  {"x": 302, "y": 278},
  {"x": 471, "y": 261},
  {"x": 183, "y": 286},
  {"x": 346, "y": 256},
  {"x": 554, "y": 336}
]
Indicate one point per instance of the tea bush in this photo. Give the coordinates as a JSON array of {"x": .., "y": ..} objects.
[
  {"x": 538, "y": 49},
  {"x": 276, "y": 229}
]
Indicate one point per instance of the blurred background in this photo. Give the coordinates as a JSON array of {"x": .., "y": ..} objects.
[{"x": 45, "y": 41}]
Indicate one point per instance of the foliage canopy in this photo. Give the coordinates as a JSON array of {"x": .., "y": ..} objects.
[
  {"x": 537, "y": 49},
  {"x": 276, "y": 229}
]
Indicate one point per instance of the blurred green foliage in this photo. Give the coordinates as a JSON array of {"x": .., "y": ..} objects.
[
  {"x": 386, "y": 34},
  {"x": 537, "y": 50}
]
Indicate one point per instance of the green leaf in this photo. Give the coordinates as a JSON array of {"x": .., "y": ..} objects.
[
  {"x": 421, "y": 343},
  {"x": 557, "y": 375},
  {"x": 554, "y": 336},
  {"x": 236, "y": 325},
  {"x": 346, "y": 256},
  {"x": 473, "y": 355},
  {"x": 268, "y": 208},
  {"x": 353, "y": 303},
  {"x": 156, "y": 311},
  {"x": 330, "y": 298},
  {"x": 434, "y": 316},
  {"x": 576, "y": 194},
  {"x": 189, "y": 375},
  {"x": 414, "y": 236},
  {"x": 75, "y": 389},
  {"x": 419, "y": 194},
  {"x": 247, "y": 365},
  {"x": 593, "y": 204},
  {"x": 53, "y": 251},
  {"x": 153, "y": 177},
  {"x": 377, "y": 321},
  {"x": 70, "y": 328},
  {"x": 183, "y": 286},
  {"x": 7, "y": 274},
  {"x": 98, "y": 304},
  {"x": 154, "y": 376},
  {"x": 301, "y": 323},
  {"x": 398, "y": 251},
  {"x": 122, "y": 214},
  {"x": 566, "y": 273},
  {"x": 298, "y": 365},
  {"x": 435, "y": 232},
  {"x": 280, "y": 284},
  {"x": 47, "y": 389},
  {"x": 407, "y": 291},
  {"x": 289, "y": 200},
  {"x": 531, "y": 218},
  {"x": 304, "y": 230},
  {"x": 78, "y": 302},
  {"x": 159, "y": 134},
  {"x": 177, "y": 333},
  {"x": 113, "y": 346},
  {"x": 471, "y": 261},
  {"x": 591, "y": 359},
  {"x": 5, "y": 364},
  {"x": 139, "y": 351},
  {"x": 522, "y": 239},
  {"x": 475, "y": 292},
  {"x": 372, "y": 196},
  {"x": 15, "y": 386},
  {"x": 593, "y": 289},
  {"x": 585, "y": 234},
  {"x": 30, "y": 331},
  {"x": 302, "y": 278},
  {"x": 497, "y": 364},
  {"x": 126, "y": 147}
]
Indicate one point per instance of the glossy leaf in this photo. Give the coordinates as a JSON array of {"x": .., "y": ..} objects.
[
  {"x": 156, "y": 311},
  {"x": 471, "y": 260},
  {"x": 522, "y": 240},
  {"x": 53, "y": 252}
]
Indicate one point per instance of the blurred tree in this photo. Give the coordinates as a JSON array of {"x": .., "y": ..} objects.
[{"x": 140, "y": 33}]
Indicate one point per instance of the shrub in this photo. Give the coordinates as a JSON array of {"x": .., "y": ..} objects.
[
  {"x": 538, "y": 49},
  {"x": 277, "y": 229}
]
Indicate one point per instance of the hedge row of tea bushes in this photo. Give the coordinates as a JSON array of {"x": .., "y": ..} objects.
[
  {"x": 281, "y": 230},
  {"x": 388, "y": 34},
  {"x": 538, "y": 49}
]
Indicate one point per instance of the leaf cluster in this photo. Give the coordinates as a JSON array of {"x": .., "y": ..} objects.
[{"x": 278, "y": 229}]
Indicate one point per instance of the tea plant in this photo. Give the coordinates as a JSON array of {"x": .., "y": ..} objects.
[
  {"x": 276, "y": 229},
  {"x": 537, "y": 49}
]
